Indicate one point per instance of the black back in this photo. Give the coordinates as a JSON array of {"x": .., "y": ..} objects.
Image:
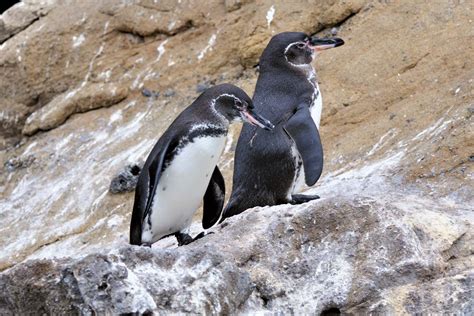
[{"x": 264, "y": 166}]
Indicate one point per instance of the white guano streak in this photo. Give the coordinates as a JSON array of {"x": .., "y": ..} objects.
[
  {"x": 270, "y": 15},
  {"x": 210, "y": 43}
]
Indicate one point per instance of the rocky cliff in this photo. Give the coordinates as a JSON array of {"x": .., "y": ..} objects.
[{"x": 88, "y": 87}]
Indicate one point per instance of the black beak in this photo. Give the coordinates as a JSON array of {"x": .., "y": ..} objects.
[
  {"x": 253, "y": 118},
  {"x": 325, "y": 43}
]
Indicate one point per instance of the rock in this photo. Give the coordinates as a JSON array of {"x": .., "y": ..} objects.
[
  {"x": 145, "y": 21},
  {"x": 19, "y": 17},
  {"x": 203, "y": 86},
  {"x": 12, "y": 118},
  {"x": 148, "y": 93},
  {"x": 18, "y": 163},
  {"x": 169, "y": 93},
  {"x": 232, "y": 5},
  {"x": 397, "y": 177},
  {"x": 352, "y": 255},
  {"x": 82, "y": 99},
  {"x": 131, "y": 280},
  {"x": 126, "y": 180}
]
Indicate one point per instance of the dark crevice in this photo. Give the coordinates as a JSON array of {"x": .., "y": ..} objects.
[
  {"x": 332, "y": 311},
  {"x": 412, "y": 65},
  {"x": 453, "y": 252},
  {"x": 337, "y": 25},
  {"x": 151, "y": 7},
  {"x": 20, "y": 30},
  {"x": 135, "y": 170},
  {"x": 344, "y": 20}
]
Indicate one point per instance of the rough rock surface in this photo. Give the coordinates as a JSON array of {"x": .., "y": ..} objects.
[
  {"x": 392, "y": 234},
  {"x": 20, "y": 16},
  {"x": 126, "y": 180},
  {"x": 354, "y": 255},
  {"x": 82, "y": 99}
]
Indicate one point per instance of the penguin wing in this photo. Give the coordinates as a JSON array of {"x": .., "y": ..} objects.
[
  {"x": 145, "y": 191},
  {"x": 213, "y": 199},
  {"x": 301, "y": 128}
]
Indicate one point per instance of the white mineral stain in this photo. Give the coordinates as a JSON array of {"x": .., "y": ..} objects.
[
  {"x": 78, "y": 40},
  {"x": 210, "y": 44},
  {"x": 161, "y": 49},
  {"x": 270, "y": 15}
]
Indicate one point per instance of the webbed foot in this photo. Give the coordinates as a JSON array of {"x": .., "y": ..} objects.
[
  {"x": 302, "y": 198},
  {"x": 183, "y": 239}
]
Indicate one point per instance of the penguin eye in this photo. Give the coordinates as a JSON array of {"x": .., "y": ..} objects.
[
  {"x": 237, "y": 104},
  {"x": 300, "y": 45}
]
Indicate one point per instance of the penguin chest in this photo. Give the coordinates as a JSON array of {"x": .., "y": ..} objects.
[
  {"x": 316, "y": 106},
  {"x": 181, "y": 187}
]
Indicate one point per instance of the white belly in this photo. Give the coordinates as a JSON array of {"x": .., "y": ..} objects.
[
  {"x": 298, "y": 180},
  {"x": 317, "y": 106},
  {"x": 181, "y": 188}
]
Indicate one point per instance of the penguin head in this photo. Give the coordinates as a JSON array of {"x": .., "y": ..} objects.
[
  {"x": 234, "y": 105},
  {"x": 295, "y": 49}
]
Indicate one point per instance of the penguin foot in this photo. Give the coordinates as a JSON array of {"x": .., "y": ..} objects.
[
  {"x": 301, "y": 198},
  {"x": 183, "y": 239},
  {"x": 146, "y": 244},
  {"x": 202, "y": 234}
]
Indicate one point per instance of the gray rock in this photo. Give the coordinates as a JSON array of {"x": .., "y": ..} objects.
[
  {"x": 353, "y": 256},
  {"x": 148, "y": 93},
  {"x": 21, "y": 162},
  {"x": 169, "y": 93},
  {"x": 131, "y": 280},
  {"x": 126, "y": 180},
  {"x": 201, "y": 87}
]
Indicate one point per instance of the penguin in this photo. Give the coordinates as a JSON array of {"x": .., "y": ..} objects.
[
  {"x": 271, "y": 168},
  {"x": 181, "y": 170}
]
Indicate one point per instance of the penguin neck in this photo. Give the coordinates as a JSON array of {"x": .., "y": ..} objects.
[
  {"x": 306, "y": 69},
  {"x": 300, "y": 69},
  {"x": 209, "y": 128}
]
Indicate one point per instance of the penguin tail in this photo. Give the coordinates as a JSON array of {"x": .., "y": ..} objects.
[{"x": 232, "y": 208}]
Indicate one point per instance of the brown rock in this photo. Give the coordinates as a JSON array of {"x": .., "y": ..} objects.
[
  {"x": 19, "y": 17},
  {"x": 82, "y": 99},
  {"x": 12, "y": 118}
]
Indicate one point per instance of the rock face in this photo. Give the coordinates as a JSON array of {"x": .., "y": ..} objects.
[
  {"x": 89, "y": 86},
  {"x": 80, "y": 100},
  {"x": 355, "y": 256}
]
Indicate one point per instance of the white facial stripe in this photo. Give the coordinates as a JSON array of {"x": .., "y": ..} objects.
[
  {"x": 292, "y": 44},
  {"x": 297, "y": 65},
  {"x": 228, "y": 95},
  {"x": 213, "y": 104}
]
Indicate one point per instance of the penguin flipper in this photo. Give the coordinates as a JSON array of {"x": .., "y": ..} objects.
[
  {"x": 213, "y": 199},
  {"x": 144, "y": 192},
  {"x": 301, "y": 128}
]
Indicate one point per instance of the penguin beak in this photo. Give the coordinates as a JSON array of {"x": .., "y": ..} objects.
[
  {"x": 319, "y": 44},
  {"x": 253, "y": 118}
]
